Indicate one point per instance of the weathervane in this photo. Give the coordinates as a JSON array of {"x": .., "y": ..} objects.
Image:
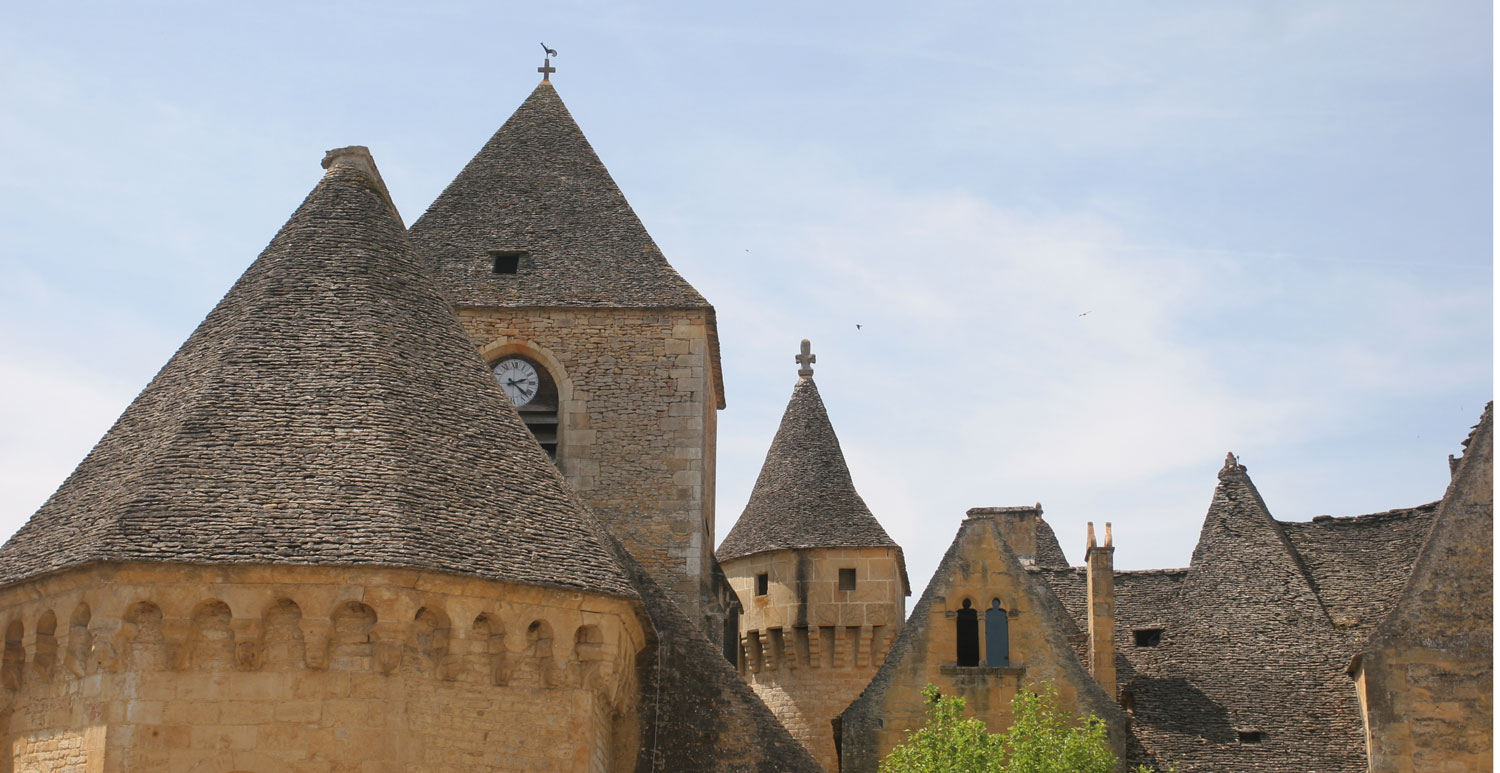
[
  {"x": 547, "y": 69},
  {"x": 806, "y": 359}
]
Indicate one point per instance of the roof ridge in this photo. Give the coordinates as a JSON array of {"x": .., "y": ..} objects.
[{"x": 1232, "y": 469}]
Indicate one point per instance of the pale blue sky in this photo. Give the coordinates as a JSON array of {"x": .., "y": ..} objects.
[{"x": 1277, "y": 216}]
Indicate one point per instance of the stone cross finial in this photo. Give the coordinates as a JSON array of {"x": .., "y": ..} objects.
[
  {"x": 547, "y": 69},
  {"x": 806, "y": 359}
]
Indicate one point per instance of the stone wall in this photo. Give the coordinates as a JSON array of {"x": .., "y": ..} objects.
[
  {"x": 637, "y": 411},
  {"x": 315, "y": 670},
  {"x": 979, "y": 567},
  {"x": 808, "y": 648},
  {"x": 1426, "y": 679}
]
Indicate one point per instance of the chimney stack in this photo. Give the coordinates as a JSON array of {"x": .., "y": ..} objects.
[{"x": 1101, "y": 582}]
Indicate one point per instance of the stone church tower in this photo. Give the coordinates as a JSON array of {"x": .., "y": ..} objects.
[
  {"x": 610, "y": 356},
  {"x": 822, "y": 585}
]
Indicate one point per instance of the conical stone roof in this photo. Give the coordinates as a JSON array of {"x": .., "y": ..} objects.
[
  {"x": 537, "y": 187},
  {"x": 329, "y": 410},
  {"x": 804, "y": 497}
]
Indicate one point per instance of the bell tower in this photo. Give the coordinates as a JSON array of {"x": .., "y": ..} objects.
[{"x": 610, "y": 357}]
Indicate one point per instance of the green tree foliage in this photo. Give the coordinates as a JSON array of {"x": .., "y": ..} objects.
[{"x": 1042, "y": 739}]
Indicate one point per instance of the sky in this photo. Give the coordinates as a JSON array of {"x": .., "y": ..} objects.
[{"x": 1067, "y": 253}]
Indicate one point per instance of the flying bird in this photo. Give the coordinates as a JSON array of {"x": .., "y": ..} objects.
[
  {"x": 858, "y": 326},
  {"x": 1085, "y": 314},
  {"x": 550, "y": 51}
]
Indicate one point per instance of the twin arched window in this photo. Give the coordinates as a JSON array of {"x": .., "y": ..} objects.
[{"x": 996, "y": 635}]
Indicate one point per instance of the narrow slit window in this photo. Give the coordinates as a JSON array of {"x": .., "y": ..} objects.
[
  {"x": 846, "y": 579},
  {"x": 1251, "y": 736},
  {"x": 506, "y": 261},
  {"x": 1147, "y": 637},
  {"x": 762, "y": 583}
]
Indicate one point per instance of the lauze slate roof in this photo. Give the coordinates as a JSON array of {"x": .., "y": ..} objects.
[
  {"x": 804, "y": 497},
  {"x": 1256, "y": 634},
  {"x": 538, "y": 187},
  {"x": 329, "y": 410}
]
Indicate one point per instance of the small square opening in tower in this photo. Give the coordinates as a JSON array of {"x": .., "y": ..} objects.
[
  {"x": 846, "y": 579},
  {"x": 762, "y": 583},
  {"x": 1251, "y": 736},
  {"x": 506, "y": 261},
  {"x": 1147, "y": 637}
]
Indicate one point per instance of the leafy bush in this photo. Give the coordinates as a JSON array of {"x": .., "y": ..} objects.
[{"x": 1041, "y": 739}]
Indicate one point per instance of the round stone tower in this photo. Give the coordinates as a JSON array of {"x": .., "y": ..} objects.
[
  {"x": 320, "y": 539},
  {"x": 823, "y": 587}
]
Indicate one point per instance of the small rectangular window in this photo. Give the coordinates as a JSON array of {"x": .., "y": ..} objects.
[
  {"x": 762, "y": 583},
  {"x": 1147, "y": 637},
  {"x": 506, "y": 261},
  {"x": 1251, "y": 736},
  {"x": 846, "y": 579}
]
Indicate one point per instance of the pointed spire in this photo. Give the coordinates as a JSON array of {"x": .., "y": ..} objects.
[
  {"x": 330, "y": 410},
  {"x": 538, "y": 188},
  {"x": 804, "y": 496}
]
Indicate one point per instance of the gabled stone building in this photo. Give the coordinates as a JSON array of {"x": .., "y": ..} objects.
[{"x": 1241, "y": 662}]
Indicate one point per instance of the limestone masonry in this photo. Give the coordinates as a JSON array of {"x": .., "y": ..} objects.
[{"x": 442, "y": 499}]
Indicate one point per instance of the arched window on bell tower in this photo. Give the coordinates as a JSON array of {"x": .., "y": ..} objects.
[{"x": 533, "y": 392}]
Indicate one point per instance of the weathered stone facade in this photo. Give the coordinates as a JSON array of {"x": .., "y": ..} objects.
[
  {"x": 637, "y": 417},
  {"x": 807, "y": 647},
  {"x": 979, "y": 569},
  {"x": 314, "y": 669}
]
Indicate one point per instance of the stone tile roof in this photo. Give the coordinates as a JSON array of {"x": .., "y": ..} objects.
[
  {"x": 1049, "y": 553},
  {"x": 538, "y": 187},
  {"x": 1143, "y": 599},
  {"x": 329, "y": 410},
  {"x": 804, "y": 497},
  {"x": 1248, "y": 647},
  {"x": 1359, "y": 565},
  {"x": 1256, "y": 633}
]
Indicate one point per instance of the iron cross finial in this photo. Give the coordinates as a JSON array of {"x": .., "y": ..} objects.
[
  {"x": 806, "y": 359},
  {"x": 547, "y": 69}
]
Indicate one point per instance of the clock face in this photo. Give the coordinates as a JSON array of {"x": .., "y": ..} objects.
[{"x": 519, "y": 380}]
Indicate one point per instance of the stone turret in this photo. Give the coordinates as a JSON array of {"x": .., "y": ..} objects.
[{"x": 822, "y": 585}]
